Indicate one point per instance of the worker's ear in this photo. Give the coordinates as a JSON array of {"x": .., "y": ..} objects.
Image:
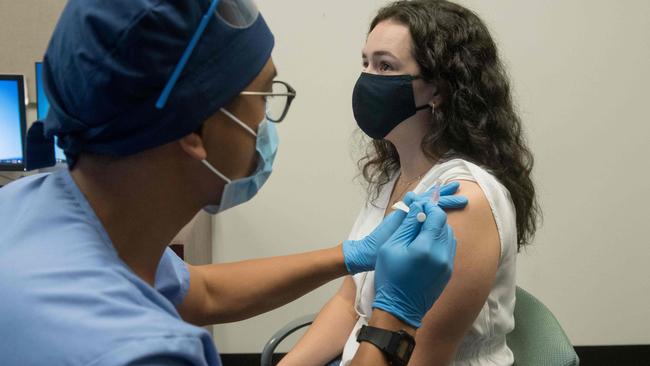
[{"x": 192, "y": 144}]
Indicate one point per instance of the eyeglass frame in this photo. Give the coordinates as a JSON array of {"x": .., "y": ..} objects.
[{"x": 290, "y": 94}]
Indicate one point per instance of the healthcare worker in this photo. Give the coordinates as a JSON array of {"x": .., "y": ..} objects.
[{"x": 161, "y": 108}]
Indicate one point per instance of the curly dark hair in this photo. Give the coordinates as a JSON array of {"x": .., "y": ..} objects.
[{"x": 476, "y": 118}]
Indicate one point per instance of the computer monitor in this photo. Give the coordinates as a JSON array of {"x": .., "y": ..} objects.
[
  {"x": 12, "y": 123},
  {"x": 43, "y": 106}
]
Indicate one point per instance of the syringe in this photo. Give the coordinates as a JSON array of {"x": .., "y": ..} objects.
[{"x": 435, "y": 198}]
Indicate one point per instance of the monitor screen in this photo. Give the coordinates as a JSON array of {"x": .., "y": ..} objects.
[
  {"x": 43, "y": 105},
  {"x": 12, "y": 122}
]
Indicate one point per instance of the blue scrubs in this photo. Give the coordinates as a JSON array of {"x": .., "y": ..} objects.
[{"x": 66, "y": 298}]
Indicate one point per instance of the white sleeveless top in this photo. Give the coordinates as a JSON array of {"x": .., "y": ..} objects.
[{"x": 485, "y": 342}]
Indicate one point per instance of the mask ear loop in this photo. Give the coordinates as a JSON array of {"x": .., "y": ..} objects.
[
  {"x": 431, "y": 104},
  {"x": 242, "y": 125},
  {"x": 426, "y": 106},
  {"x": 215, "y": 171}
]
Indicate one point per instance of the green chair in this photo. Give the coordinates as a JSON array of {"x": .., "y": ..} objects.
[{"x": 537, "y": 340}]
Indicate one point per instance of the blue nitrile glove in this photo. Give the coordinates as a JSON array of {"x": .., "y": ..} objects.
[
  {"x": 448, "y": 198},
  {"x": 414, "y": 265},
  {"x": 360, "y": 255}
]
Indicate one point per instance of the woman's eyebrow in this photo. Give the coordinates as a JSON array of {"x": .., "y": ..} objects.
[
  {"x": 380, "y": 53},
  {"x": 384, "y": 53}
]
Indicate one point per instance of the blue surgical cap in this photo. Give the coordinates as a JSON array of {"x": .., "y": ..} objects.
[{"x": 108, "y": 61}]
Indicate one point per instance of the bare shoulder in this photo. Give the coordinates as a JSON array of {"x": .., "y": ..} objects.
[
  {"x": 476, "y": 220},
  {"x": 478, "y": 248}
]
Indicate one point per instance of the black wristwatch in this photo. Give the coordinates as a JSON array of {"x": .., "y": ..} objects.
[{"x": 397, "y": 346}]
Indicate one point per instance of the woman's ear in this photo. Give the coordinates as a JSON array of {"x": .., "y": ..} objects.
[
  {"x": 439, "y": 93},
  {"x": 192, "y": 144},
  {"x": 436, "y": 99}
]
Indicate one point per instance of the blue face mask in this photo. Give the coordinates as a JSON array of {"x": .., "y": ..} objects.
[{"x": 241, "y": 190}]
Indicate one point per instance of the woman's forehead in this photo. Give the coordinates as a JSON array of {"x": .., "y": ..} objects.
[{"x": 389, "y": 37}]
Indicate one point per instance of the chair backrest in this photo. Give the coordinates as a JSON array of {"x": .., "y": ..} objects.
[{"x": 538, "y": 339}]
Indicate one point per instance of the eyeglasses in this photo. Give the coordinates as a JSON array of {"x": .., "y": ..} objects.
[
  {"x": 238, "y": 14},
  {"x": 278, "y": 100}
]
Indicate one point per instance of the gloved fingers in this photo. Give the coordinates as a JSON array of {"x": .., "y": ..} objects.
[
  {"x": 410, "y": 227},
  {"x": 439, "y": 247},
  {"x": 412, "y": 197},
  {"x": 436, "y": 219},
  {"x": 390, "y": 223},
  {"x": 446, "y": 190},
  {"x": 453, "y": 202},
  {"x": 409, "y": 198},
  {"x": 449, "y": 189}
]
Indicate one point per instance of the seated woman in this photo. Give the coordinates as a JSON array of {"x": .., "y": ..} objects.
[{"x": 434, "y": 97}]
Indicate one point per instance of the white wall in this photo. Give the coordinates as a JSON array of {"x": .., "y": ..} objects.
[
  {"x": 581, "y": 74},
  {"x": 580, "y": 70}
]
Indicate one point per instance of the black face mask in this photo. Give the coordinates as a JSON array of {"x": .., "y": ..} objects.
[{"x": 380, "y": 103}]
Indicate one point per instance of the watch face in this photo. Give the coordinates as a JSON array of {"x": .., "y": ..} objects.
[{"x": 405, "y": 346}]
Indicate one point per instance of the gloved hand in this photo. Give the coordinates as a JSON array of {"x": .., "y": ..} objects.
[
  {"x": 360, "y": 255},
  {"x": 448, "y": 198},
  {"x": 415, "y": 264}
]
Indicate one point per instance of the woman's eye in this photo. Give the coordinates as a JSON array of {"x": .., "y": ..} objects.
[{"x": 385, "y": 67}]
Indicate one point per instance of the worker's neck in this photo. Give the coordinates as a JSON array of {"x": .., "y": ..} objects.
[{"x": 142, "y": 206}]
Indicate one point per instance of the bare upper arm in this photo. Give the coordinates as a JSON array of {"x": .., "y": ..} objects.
[
  {"x": 348, "y": 293},
  {"x": 477, "y": 259},
  {"x": 195, "y": 307},
  {"x": 341, "y": 305}
]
